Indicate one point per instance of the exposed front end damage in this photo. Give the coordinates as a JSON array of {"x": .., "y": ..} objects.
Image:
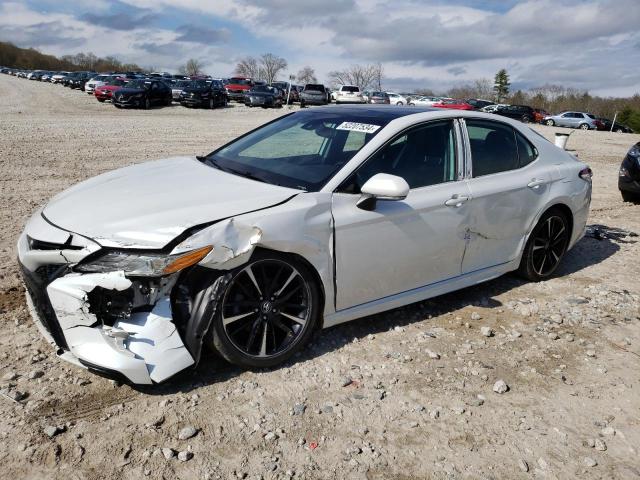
[{"x": 100, "y": 311}]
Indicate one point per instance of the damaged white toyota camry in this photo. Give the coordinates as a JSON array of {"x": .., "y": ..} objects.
[{"x": 316, "y": 218}]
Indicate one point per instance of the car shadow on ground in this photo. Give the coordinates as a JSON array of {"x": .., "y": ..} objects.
[{"x": 600, "y": 243}]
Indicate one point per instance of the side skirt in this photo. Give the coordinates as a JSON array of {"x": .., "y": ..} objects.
[{"x": 419, "y": 294}]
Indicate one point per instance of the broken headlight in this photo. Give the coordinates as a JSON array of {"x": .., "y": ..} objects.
[{"x": 143, "y": 264}]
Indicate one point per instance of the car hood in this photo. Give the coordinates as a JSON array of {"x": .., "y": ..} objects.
[
  {"x": 260, "y": 94},
  {"x": 149, "y": 204}
]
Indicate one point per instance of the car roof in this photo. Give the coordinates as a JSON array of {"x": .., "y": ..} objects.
[{"x": 387, "y": 112}]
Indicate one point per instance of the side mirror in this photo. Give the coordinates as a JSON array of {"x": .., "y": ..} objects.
[{"x": 382, "y": 186}]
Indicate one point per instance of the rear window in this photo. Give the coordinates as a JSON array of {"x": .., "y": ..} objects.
[
  {"x": 311, "y": 86},
  {"x": 350, "y": 89},
  {"x": 239, "y": 81}
]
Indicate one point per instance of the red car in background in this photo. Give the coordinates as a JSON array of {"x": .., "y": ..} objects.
[
  {"x": 539, "y": 114},
  {"x": 105, "y": 92},
  {"x": 454, "y": 105},
  {"x": 237, "y": 87}
]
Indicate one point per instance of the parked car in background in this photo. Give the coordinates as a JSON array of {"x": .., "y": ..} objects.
[
  {"x": 523, "y": 113},
  {"x": 479, "y": 103},
  {"x": 539, "y": 114},
  {"x": 424, "y": 100},
  {"x": 313, "y": 94},
  {"x": 397, "y": 99},
  {"x": 349, "y": 94},
  {"x": 493, "y": 108},
  {"x": 237, "y": 87},
  {"x": 606, "y": 125},
  {"x": 177, "y": 87},
  {"x": 264, "y": 96},
  {"x": 58, "y": 77},
  {"x": 204, "y": 93},
  {"x": 629, "y": 175},
  {"x": 105, "y": 92},
  {"x": 584, "y": 121},
  {"x": 379, "y": 97},
  {"x": 77, "y": 80},
  {"x": 96, "y": 81},
  {"x": 453, "y": 104},
  {"x": 142, "y": 93}
]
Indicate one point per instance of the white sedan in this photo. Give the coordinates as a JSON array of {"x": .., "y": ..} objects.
[{"x": 317, "y": 218}]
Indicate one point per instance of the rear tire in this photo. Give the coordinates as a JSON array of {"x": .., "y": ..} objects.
[
  {"x": 268, "y": 311},
  {"x": 629, "y": 197},
  {"x": 212, "y": 104},
  {"x": 101, "y": 100},
  {"x": 525, "y": 119},
  {"x": 546, "y": 246},
  {"x": 147, "y": 104}
]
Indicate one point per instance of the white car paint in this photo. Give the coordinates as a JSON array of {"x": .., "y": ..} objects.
[
  {"x": 397, "y": 99},
  {"x": 438, "y": 239},
  {"x": 349, "y": 94},
  {"x": 94, "y": 82}
]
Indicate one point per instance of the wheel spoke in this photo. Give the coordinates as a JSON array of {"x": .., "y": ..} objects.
[
  {"x": 253, "y": 334},
  {"x": 293, "y": 275},
  {"x": 263, "y": 347},
  {"x": 560, "y": 232},
  {"x": 298, "y": 320},
  {"x": 288, "y": 295},
  {"x": 228, "y": 320},
  {"x": 253, "y": 279}
]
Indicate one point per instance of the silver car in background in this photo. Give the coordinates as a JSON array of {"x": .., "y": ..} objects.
[
  {"x": 178, "y": 87},
  {"x": 319, "y": 217},
  {"x": 584, "y": 121}
]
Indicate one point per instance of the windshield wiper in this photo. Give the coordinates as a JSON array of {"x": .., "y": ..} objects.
[{"x": 245, "y": 174}]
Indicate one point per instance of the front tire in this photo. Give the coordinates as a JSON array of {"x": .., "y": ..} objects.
[
  {"x": 584, "y": 126},
  {"x": 147, "y": 104},
  {"x": 268, "y": 311},
  {"x": 550, "y": 123},
  {"x": 546, "y": 246},
  {"x": 629, "y": 196}
]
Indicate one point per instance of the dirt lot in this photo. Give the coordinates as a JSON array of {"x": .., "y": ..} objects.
[{"x": 369, "y": 400}]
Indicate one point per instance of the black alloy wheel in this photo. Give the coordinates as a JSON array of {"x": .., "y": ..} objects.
[
  {"x": 268, "y": 311},
  {"x": 546, "y": 246}
]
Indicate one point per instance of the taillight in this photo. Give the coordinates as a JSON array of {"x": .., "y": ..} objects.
[{"x": 586, "y": 174}]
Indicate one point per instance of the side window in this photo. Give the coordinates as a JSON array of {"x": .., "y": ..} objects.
[
  {"x": 566, "y": 115},
  {"x": 527, "y": 153},
  {"x": 154, "y": 86},
  {"x": 423, "y": 156},
  {"x": 493, "y": 147}
]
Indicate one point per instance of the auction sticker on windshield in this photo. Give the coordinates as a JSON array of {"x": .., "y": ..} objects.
[{"x": 358, "y": 127}]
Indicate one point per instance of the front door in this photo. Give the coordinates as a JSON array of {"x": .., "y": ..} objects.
[{"x": 402, "y": 245}]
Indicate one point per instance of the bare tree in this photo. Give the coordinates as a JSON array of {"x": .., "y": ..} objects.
[
  {"x": 379, "y": 73},
  {"x": 192, "y": 68},
  {"x": 307, "y": 75},
  {"x": 363, "y": 76},
  {"x": 248, "y": 67},
  {"x": 271, "y": 65}
]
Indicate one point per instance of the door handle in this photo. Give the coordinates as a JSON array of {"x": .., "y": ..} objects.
[
  {"x": 536, "y": 183},
  {"x": 456, "y": 201}
]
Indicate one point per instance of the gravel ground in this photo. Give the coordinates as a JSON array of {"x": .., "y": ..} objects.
[{"x": 412, "y": 393}]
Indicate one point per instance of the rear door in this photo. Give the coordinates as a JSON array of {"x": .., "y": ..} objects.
[{"x": 508, "y": 190}]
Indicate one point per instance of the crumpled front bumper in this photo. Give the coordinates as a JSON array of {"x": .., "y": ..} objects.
[{"x": 142, "y": 345}]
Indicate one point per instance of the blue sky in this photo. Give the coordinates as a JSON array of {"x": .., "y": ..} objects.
[{"x": 438, "y": 44}]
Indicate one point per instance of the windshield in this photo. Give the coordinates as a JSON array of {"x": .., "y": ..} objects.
[
  {"x": 182, "y": 83},
  {"x": 261, "y": 88},
  {"x": 118, "y": 82},
  {"x": 302, "y": 150},
  {"x": 200, "y": 84},
  {"x": 142, "y": 84}
]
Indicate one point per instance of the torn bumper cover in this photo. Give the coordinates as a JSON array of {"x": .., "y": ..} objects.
[{"x": 103, "y": 321}]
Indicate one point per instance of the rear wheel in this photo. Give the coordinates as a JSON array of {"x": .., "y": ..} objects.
[
  {"x": 101, "y": 100},
  {"x": 212, "y": 104},
  {"x": 526, "y": 119},
  {"x": 147, "y": 104},
  {"x": 550, "y": 122},
  {"x": 399, "y": 104},
  {"x": 619, "y": 130},
  {"x": 546, "y": 246},
  {"x": 629, "y": 196},
  {"x": 268, "y": 311}
]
